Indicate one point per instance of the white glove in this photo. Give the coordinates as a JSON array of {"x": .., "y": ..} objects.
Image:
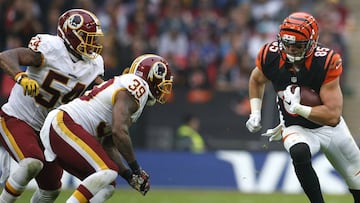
[
  {"x": 253, "y": 123},
  {"x": 4, "y": 165},
  {"x": 274, "y": 134},
  {"x": 291, "y": 100}
]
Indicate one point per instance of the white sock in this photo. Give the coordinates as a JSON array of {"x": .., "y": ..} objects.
[
  {"x": 44, "y": 196},
  {"x": 7, "y": 197},
  {"x": 13, "y": 186},
  {"x": 72, "y": 199}
]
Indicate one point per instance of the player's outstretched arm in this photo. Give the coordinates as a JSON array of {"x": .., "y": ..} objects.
[
  {"x": 125, "y": 105},
  {"x": 139, "y": 180}
]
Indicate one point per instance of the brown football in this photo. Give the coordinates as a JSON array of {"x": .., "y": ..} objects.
[{"x": 308, "y": 96}]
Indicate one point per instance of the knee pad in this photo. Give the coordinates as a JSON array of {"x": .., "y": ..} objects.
[
  {"x": 300, "y": 153},
  {"x": 27, "y": 169},
  {"x": 32, "y": 165},
  {"x": 99, "y": 180}
]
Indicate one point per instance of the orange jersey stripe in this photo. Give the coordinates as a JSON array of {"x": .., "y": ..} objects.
[{"x": 334, "y": 66}]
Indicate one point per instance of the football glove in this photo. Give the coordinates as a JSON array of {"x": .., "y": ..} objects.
[
  {"x": 291, "y": 100},
  {"x": 136, "y": 182},
  {"x": 274, "y": 134},
  {"x": 253, "y": 124},
  {"x": 140, "y": 181},
  {"x": 292, "y": 103},
  {"x": 30, "y": 86}
]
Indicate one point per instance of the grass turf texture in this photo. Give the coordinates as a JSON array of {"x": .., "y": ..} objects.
[{"x": 197, "y": 196}]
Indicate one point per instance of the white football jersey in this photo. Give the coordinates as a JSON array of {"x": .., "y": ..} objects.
[
  {"x": 60, "y": 79},
  {"x": 94, "y": 109}
]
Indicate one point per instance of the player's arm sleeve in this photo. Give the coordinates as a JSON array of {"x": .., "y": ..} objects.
[
  {"x": 40, "y": 46},
  {"x": 334, "y": 66},
  {"x": 260, "y": 58}
]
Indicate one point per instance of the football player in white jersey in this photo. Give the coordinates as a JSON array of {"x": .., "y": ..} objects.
[
  {"x": 71, "y": 133},
  {"x": 59, "y": 68}
]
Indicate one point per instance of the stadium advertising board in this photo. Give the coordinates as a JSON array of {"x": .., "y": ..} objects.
[{"x": 252, "y": 172}]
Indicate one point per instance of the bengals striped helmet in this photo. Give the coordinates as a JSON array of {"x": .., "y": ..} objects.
[{"x": 300, "y": 31}]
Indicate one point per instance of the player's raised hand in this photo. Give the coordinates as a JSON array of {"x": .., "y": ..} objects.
[{"x": 30, "y": 86}]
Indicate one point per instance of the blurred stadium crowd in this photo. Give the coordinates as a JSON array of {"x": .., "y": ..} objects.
[{"x": 211, "y": 44}]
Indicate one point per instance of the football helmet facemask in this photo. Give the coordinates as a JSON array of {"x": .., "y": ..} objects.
[
  {"x": 301, "y": 31},
  {"x": 81, "y": 31},
  {"x": 156, "y": 72}
]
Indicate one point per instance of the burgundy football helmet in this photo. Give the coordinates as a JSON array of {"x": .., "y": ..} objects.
[
  {"x": 81, "y": 30},
  {"x": 156, "y": 72},
  {"x": 299, "y": 29}
]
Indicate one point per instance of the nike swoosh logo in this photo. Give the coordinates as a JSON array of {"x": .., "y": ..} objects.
[{"x": 289, "y": 103}]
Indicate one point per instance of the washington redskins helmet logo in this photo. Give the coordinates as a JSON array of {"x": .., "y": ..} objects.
[
  {"x": 75, "y": 22},
  {"x": 158, "y": 71}
]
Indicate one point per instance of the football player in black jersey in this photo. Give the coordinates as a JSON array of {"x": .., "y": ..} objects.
[{"x": 296, "y": 58}]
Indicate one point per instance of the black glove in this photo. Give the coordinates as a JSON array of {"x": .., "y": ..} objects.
[{"x": 140, "y": 180}]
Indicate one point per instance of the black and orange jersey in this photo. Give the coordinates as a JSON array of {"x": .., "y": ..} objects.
[{"x": 323, "y": 66}]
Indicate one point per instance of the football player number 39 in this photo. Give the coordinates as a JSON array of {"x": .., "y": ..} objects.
[{"x": 137, "y": 88}]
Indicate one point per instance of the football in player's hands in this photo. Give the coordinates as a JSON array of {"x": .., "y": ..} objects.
[{"x": 308, "y": 96}]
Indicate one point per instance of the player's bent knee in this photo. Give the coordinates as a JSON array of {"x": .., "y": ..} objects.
[
  {"x": 33, "y": 166},
  {"x": 107, "y": 176},
  {"x": 101, "y": 178},
  {"x": 300, "y": 153}
]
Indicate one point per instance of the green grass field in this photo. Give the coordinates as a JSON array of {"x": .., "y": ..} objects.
[{"x": 198, "y": 196}]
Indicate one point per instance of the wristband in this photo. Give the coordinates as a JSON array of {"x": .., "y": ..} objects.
[
  {"x": 302, "y": 110},
  {"x": 127, "y": 174},
  {"x": 19, "y": 76},
  {"x": 134, "y": 166},
  {"x": 255, "y": 105}
]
